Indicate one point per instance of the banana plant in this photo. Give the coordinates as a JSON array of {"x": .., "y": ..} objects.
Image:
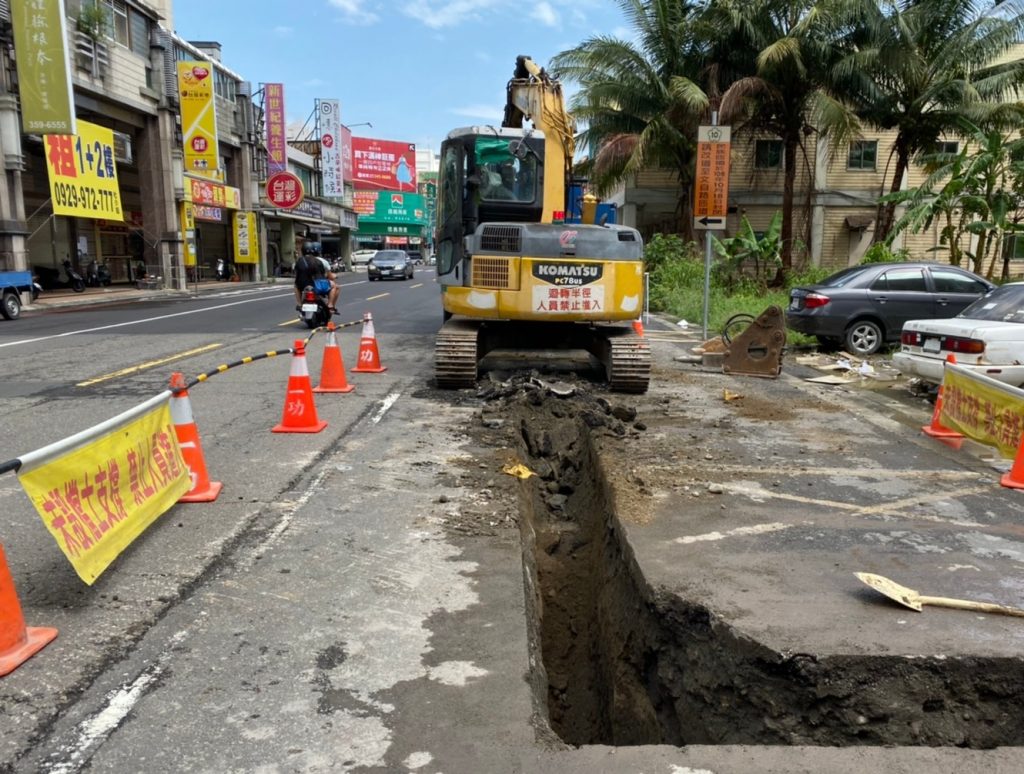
[{"x": 747, "y": 251}]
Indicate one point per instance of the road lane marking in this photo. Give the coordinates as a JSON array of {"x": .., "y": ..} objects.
[
  {"x": 289, "y": 322},
  {"x": 417, "y": 285},
  {"x": 374, "y": 298},
  {"x": 757, "y": 529},
  {"x": 385, "y": 404},
  {"x": 142, "y": 321},
  {"x": 147, "y": 364}
]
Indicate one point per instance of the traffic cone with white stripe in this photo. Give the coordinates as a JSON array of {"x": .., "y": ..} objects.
[
  {"x": 299, "y": 415},
  {"x": 369, "y": 357},
  {"x": 935, "y": 428},
  {"x": 332, "y": 370},
  {"x": 203, "y": 490},
  {"x": 18, "y": 643}
]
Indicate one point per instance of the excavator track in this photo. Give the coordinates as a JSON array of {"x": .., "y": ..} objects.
[
  {"x": 628, "y": 362},
  {"x": 456, "y": 355}
]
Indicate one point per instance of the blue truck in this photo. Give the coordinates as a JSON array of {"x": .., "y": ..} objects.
[{"x": 12, "y": 285}]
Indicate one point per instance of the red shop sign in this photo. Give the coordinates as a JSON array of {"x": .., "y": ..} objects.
[{"x": 284, "y": 190}]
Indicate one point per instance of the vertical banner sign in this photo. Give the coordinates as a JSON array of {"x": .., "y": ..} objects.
[
  {"x": 346, "y": 153},
  {"x": 97, "y": 498},
  {"x": 198, "y": 116},
  {"x": 246, "y": 244},
  {"x": 277, "y": 148},
  {"x": 331, "y": 160},
  {"x": 44, "y": 73},
  {"x": 711, "y": 190},
  {"x": 188, "y": 224},
  {"x": 83, "y": 173}
]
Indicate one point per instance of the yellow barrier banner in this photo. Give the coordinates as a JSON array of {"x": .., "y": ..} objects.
[
  {"x": 97, "y": 498},
  {"x": 983, "y": 409},
  {"x": 83, "y": 173}
]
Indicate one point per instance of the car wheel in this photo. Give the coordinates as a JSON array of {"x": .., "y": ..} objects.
[
  {"x": 11, "y": 308},
  {"x": 863, "y": 338}
]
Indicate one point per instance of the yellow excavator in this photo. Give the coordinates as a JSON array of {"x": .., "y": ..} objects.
[{"x": 513, "y": 273}]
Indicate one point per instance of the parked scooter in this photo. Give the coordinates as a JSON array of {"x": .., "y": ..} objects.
[
  {"x": 314, "y": 310},
  {"x": 74, "y": 281},
  {"x": 224, "y": 270},
  {"x": 97, "y": 274}
]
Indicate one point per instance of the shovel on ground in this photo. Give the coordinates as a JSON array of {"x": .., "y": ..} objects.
[{"x": 916, "y": 601}]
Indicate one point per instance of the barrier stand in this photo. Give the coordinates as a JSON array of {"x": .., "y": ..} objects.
[
  {"x": 332, "y": 370},
  {"x": 203, "y": 490},
  {"x": 18, "y": 643},
  {"x": 299, "y": 414},
  {"x": 369, "y": 357},
  {"x": 935, "y": 428}
]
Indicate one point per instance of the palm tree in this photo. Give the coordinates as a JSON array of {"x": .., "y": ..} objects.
[
  {"x": 782, "y": 54},
  {"x": 926, "y": 64},
  {"x": 641, "y": 100}
]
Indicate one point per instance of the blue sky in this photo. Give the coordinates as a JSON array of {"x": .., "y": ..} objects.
[{"x": 415, "y": 69}]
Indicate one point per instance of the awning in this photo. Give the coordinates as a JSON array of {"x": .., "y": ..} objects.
[{"x": 859, "y": 222}]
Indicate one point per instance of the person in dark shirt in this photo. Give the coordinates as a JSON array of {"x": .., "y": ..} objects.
[{"x": 307, "y": 269}]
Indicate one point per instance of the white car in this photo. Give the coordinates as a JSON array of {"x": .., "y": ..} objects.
[
  {"x": 362, "y": 257},
  {"x": 987, "y": 337}
]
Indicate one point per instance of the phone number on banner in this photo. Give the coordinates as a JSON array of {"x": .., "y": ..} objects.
[{"x": 85, "y": 197}]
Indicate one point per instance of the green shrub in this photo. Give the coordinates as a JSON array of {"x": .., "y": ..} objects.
[{"x": 880, "y": 252}]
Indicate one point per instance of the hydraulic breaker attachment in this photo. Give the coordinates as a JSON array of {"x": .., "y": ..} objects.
[{"x": 758, "y": 350}]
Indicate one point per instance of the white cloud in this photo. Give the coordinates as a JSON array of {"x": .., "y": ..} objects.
[
  {"x": 482, "y": 112},
  {"x": 545, "y": 14},
  {"x": 355, "y": 11},
  {"x": 445, "y": 13},
  {"x": 284, "y": 32}
]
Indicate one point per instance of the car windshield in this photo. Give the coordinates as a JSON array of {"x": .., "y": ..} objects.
[
  {"x": 389, "y": 255},
  {"x": 1005, "y": 303}
]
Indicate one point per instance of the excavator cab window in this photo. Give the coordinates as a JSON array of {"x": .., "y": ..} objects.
[
  {"x": 449, "y": 206},
  {"x": 503, "y": 174}
]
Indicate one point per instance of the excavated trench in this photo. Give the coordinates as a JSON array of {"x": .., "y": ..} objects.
[{"x": 619, "y": 663}]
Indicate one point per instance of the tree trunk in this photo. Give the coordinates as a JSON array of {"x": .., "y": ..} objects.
[
  {"x": 788, "y": 194},
  {"x": 887, "y": 212},
  {"x": 684, "y": 212}
]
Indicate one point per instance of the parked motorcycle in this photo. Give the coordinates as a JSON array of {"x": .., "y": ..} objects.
[
  {"x": 314, "y": 310},
  {"x": 223, "y": 270},
  {"x": 97, "y": 274},
  {"x": 74, "y": 280}
]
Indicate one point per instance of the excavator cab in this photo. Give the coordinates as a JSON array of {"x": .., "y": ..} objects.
[{"x": 487, "y": 175}]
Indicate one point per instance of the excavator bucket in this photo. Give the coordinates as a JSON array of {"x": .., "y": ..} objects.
[{"x": 758, "y": 350}]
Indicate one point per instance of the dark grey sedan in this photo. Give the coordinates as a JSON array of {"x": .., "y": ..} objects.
[
  {"x": 863, "y": 307},
  {"x": 390, "y": 264}
]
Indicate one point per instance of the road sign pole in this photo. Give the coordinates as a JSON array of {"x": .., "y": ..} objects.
[{"x": 707, "y": 261}]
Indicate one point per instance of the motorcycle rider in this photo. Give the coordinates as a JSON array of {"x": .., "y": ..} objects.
[{"x": 309, "y": 267}]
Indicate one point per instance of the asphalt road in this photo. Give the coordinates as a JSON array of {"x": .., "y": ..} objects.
[{"x": 321, "y": 615}]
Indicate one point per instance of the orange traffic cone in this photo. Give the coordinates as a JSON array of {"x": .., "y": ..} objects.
[
  {"x": 1015, "y": 478},
  {"x": 18, "y": 643},
  {"x": 638, "y": 326},
  {"x": 935, "y": 428},
  {"x": 203, "y": 490},
  {"x": 299, "y": 415},
  {"x": 332, "y": 371},
  {"x": 369, "y": 357}
]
